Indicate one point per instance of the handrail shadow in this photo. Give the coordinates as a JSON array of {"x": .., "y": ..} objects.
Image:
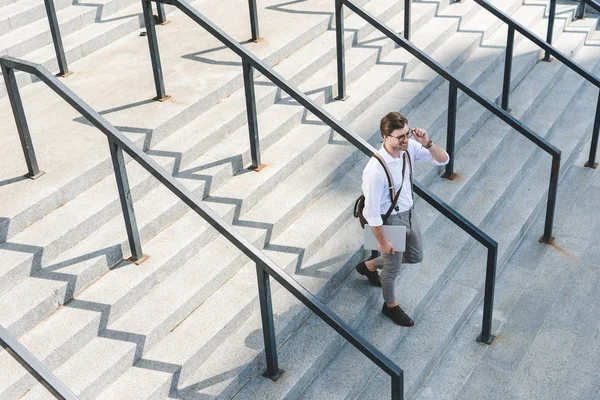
[
  {"x": 250, "y": 62},
  {"x": 265, "y": 267}
]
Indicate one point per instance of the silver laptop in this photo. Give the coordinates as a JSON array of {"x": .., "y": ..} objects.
[{"x": 394, "y": 233}]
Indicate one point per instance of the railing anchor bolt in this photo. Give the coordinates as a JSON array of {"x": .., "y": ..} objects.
[
  {"x": 167, "y": 97},
  {"x": 257, "y": 169},
  {"x": 275, "y": 377},
  {"x": 140, "y": 261},
  {"x": 34, "y": 177},
  {"x": 450, "y": 177},
  {"x": 157, "y": 21},
  {"x": 550, "y": 242},
  {"x": 488, "y": 340}
]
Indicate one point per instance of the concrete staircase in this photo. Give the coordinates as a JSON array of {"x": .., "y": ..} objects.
[{"x": 185, "y": 323}]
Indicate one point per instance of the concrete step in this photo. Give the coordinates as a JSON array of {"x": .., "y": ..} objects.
[
  {"x": 121, "y": 288},
  {"x": 319, "y": 389},
  {"x": 4, "y": 3},
  {"x": 84, "y": 29},
  {"x": 528, "y": 287},
  {"x": 147, "y": 213},
  {"x": 16, "y": 15},
  {"x": 289, "y": 250},
  {"x": 50, "y": 248},
  {"x": 220, "y": 193},
  {"x": 192, "y": 386},
  {"x": 172, "y": 289},
  {"x": 52, "y": 342},
  {"x": 506, "y": 221},
  {"x": 237, "y": 185},
  {"x": 205, "y": 86},
  {"x": 195, "y": 387},
  {"x": 35, "y": 34},
  {"x": 55, "y": 241}
]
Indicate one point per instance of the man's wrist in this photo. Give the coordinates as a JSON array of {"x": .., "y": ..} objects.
[{"x": 428, "y": 144}]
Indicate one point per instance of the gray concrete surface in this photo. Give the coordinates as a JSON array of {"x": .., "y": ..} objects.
[
  {"x": 152, "y": 319},
  {"x": 546, "y": 314}
]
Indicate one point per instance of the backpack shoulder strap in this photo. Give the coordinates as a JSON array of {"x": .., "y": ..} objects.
[
  {"x": 393, "y": 195},
  {"x": 388, "y": 174}
]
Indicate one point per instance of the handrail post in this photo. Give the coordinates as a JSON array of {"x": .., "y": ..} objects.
[
  {"x": 398, "y": 386},
  {"x": 551, "y": 18},
  {"x": 339, "y": 41},
  {"x": 550, "y": 207},
  {"x": 510, "y": 41},
  {"x": 580, "y": 13},
  {"x": 116, "y": 154},
  {"x": 488, "y": 302},
  {"x": 591, "y": 163},
  {"x": 21, "y": 121},
  {"x": 253, "y": 20},
  {"x": 154, "y": 53},
  {"x": 248, "y": 73},
  {"x": 451, "y": 135},
  {"x": 56, "y": 38},
  {"x": 266, "y": 311},
  {"x": 407, "y": 19},
  {"x": 160, "y": 13}
]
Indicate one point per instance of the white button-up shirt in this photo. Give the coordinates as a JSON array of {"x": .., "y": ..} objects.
[{"x": 375, "y": 184}]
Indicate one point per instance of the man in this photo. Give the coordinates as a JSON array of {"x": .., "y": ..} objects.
[{"x": 401, "y": 147}]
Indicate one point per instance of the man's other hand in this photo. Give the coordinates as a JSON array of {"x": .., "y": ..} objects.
[{"x": 386, "y": 247}]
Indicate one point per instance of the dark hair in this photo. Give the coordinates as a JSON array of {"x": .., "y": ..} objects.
[{"x": 391, "y": 122}]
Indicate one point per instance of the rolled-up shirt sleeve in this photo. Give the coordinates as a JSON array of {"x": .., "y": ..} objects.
[
  {"x": 373, "y": 186},
  {"x": 421, "y": 154}
]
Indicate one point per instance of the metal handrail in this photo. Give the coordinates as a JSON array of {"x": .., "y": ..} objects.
[
  {"x": 265, "y": 267},
  {"x": 56, "y": 38},
  {"x": 34, "y": 366},
  {"x": 549, "y": 51},
  {"x": 249, "y": 62},
  {"x": 160, "y": 19},
  {"x": 580, "y": 13},
  {"x": 456, "y": 84}
]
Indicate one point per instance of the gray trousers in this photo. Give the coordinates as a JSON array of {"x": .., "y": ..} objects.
[{"x": 390, "y": 263}]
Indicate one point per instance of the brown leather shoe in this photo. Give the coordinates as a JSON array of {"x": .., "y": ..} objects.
[
  {"x": 397, "y": 315},
  {"x": 373, "y": 276}
]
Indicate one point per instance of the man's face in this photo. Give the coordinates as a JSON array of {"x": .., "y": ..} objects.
[{"x": 398, "y": 140}]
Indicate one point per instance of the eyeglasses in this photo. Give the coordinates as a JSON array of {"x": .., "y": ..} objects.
[{"x": 401, "y": 138}]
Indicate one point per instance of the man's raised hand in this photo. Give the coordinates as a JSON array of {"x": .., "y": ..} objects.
[{"x": 421, "y": 135}]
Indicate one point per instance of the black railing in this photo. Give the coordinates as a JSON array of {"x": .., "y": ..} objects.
[
  {"x": 34, "y": 366},
  {"x": 549, "y": 52},
  {"x": 580, "y": 13},
  {"x": 407, "y": 17},
  {"x": 250, "y": 61},
  {"x": 253, "y": 20},
  {"x": 456, "y": 84},
  {"x": 119, "y": 143},
  {"x": 160, "y": 18},
  {"x": 56, "y": 38}
]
